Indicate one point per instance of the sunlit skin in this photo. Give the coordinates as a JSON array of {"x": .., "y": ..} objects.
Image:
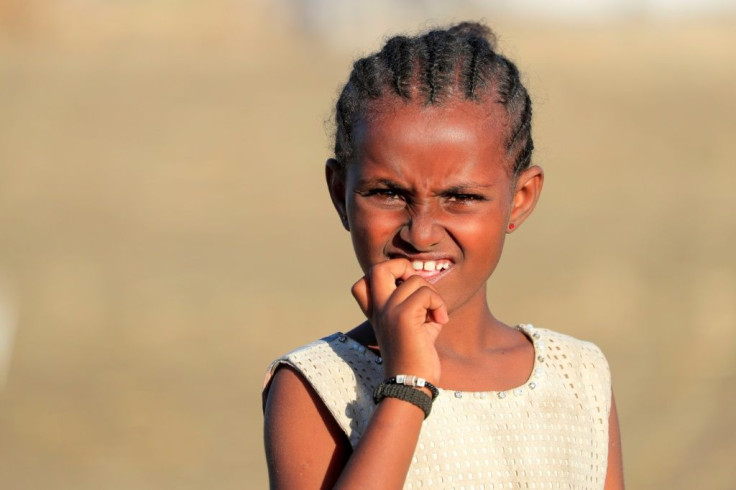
[
  {"x": 435, "y": 183},
  {"x": 429, "y": 183}
]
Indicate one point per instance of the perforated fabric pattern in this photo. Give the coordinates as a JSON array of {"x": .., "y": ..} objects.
[
  {"x": 343, "y": 373},
  {"x": 551, "y": 432}
]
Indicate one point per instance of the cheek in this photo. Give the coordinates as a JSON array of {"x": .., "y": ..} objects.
[
  {"x": 482, "y": 240},
  {"x": 485, "y": 231},
  {"x": 371, "y": 232}
]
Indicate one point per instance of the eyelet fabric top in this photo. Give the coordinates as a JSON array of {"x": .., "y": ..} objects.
[{"x": 549, "y": 432}]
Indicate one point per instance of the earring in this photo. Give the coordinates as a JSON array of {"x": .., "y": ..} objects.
[{"x": 511, "y": 226}]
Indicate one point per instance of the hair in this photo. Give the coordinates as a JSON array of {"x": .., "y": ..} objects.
[{"x": 442, "y": 65}]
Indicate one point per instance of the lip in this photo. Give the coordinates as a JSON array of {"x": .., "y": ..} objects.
[
  {"x": 433, "y": 276},
  {"x": 423, "y": 257}
]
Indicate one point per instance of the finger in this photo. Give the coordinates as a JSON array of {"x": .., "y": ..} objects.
[
  {"x": 423, "y": 307},
  {"x": 383, "y": 277},
  {"x": 427, "y": 299},
  {"x": 360, "y": 293},
  {"x": 406, "y": 289}
]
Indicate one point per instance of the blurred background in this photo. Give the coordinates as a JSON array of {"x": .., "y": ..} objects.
[{"x": 165, "y": 230}]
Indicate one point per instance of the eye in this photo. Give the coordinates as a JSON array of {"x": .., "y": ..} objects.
[
  {"x": 464, "y": 198},
  {"x": 385, "y": 194}
]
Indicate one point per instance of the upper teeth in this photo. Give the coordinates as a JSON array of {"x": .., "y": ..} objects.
[{"x": 431, "y": 265}]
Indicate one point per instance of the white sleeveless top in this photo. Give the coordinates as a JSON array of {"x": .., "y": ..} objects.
[{"x": 551, "y": 432}]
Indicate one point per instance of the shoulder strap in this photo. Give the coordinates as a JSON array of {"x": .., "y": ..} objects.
[
  {"x": 583, "y": 368},
  {"x": 343, "y": 373}
]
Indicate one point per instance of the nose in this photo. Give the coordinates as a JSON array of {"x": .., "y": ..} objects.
[{"x": 422, "y": 230}]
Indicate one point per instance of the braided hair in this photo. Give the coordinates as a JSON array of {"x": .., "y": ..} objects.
[{"x": 433, "y": 68}]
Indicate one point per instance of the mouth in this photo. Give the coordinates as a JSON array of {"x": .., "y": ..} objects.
[{"x": 431, "y": 270}]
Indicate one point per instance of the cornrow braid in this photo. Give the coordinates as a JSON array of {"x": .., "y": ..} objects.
[
  {"x": 397, "y": 55},
  {"x": 432, "y": 68},
  {"x": 441, "y": 51}
]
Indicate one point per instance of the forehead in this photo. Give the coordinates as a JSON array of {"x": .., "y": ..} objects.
[{"x": 447, "y": 138}]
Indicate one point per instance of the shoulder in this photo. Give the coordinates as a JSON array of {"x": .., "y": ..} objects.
[
  {"x": 339, "y": 372},
  {"x": 322, "y": 362},
  {"x": 581, "y": 364},
  {"x": 560, "y": 346},
  {"x": 297, "y": 361},
  {"x": 304, "y": 444},
  {"x": 312, "y": 350}
]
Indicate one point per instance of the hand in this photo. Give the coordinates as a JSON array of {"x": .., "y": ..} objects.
[{"x": 407, "y": 314}]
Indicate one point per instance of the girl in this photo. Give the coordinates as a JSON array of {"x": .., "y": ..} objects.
[{"x": 432, "y": 169}]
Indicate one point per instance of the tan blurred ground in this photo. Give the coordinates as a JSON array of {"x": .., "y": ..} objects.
[{"x": 164, "y": 233}]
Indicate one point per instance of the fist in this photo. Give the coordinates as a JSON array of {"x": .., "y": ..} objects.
[{"x": 407, "y": 315}]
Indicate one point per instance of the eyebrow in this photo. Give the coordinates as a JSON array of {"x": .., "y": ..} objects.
[
  {"x": 455, "y": 188},
  {"x": 386, "y": 182},
  {"x": 464, "y": 186}
]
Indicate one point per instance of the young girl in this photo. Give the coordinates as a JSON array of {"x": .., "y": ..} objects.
[{"x": 432, "y": 169}]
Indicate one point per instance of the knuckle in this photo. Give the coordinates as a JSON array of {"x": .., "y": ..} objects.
[
  {"x": 415, "y": 281},
  {"x": 425, "y": 290}
]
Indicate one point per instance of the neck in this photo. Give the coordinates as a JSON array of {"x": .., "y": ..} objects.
[{"x": 471, "y": 331}]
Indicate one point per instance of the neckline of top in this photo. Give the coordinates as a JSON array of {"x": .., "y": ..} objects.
[{"x": 532, "y": 382}]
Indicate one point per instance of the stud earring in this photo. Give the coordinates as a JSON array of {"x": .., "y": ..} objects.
[{"x": 511, "y": 226}]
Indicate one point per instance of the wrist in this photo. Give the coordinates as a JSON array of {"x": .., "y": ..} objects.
[
  {"x": 414, "y": 382},
  {"x": 405, "y": 393},
  {"x": 390, "y": 371}
]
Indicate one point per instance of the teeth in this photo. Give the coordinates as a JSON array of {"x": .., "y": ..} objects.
[{"x": 430, "y": 265}]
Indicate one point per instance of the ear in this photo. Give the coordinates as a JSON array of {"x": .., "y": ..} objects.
[
  {"x": 526, "y": 194},
  {"x": 335, "y": 175}
]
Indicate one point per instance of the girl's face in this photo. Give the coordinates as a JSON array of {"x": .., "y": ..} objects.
[{"x": 433, "y": 185}]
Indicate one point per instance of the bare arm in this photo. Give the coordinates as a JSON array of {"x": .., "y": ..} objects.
[
  {"x": 305, "y": 448},
  {"x": 615, "y": 472}
]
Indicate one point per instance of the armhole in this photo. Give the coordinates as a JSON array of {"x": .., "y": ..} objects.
[
  {"x": 331, "y": 423},
  {"x": 341, "y": 373},
  {"x": 270, "y": 373},
  {"x": 593, "y": 357},
  {"x": 607, "y": 379}
]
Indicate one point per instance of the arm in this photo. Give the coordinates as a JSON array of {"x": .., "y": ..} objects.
[
  {"x": 615, "y": 472},
  {"x": 305, "y": 448}
]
